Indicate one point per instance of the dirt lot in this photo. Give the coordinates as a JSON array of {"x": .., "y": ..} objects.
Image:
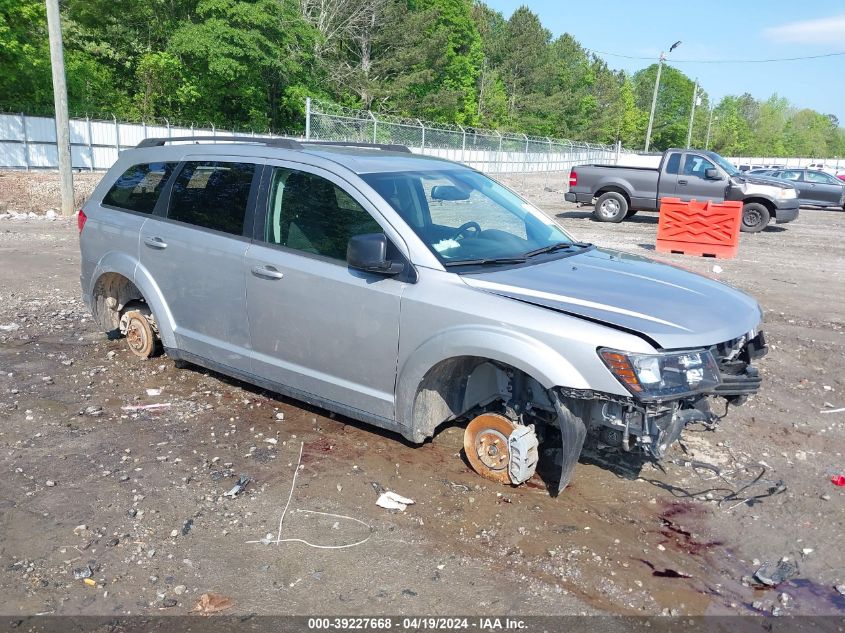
[{"x": 137, "y": 496}]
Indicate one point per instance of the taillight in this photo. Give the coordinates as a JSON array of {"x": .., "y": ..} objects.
[
  {"x": 573, "y": 178},
  {"x": 80, "y": 220}
]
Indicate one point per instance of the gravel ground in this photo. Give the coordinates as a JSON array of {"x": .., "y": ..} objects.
[{"x": 136, "y": 497}]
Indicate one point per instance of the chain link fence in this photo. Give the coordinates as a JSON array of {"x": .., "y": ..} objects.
[{"x": 489, "y": 151}]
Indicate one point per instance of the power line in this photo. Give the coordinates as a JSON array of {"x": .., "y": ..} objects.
[{"x": 722, "y": 61}]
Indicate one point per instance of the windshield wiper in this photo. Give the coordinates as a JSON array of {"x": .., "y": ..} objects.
[
  {"x": 486, "y": 261},
  {"x": 559, "y": 246}
]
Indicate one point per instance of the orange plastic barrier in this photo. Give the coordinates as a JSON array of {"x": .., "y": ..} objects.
[{"x": 699, "y": 228}]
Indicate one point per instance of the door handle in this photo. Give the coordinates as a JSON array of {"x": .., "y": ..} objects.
[
  {"x": 682, "y": 182},
  {"x": 267, "y": 272},
  {"x": 155, "y": 242}
]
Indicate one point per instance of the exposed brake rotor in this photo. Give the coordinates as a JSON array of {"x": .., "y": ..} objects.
[{"x": 486, "y": 446}]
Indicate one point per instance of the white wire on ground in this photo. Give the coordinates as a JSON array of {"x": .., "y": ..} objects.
[
  {"x": 279, "y": 538},
  {"x": 290, "y": 496}
]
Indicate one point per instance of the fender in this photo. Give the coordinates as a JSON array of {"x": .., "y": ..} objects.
[
  {"x": 129, "y": 267},
  {"x": 538, "y": 360},
  {"x": 152, "y": 293},
  {"x": 614, "y": 181}
]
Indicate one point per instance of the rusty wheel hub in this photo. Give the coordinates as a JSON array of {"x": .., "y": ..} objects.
[
  {"x": 139, "y": 333},
  {"x": 136, "y": 336},
  {"x": 486, "y": 446}
]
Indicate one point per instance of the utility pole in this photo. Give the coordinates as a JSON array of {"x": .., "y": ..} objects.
[
  {"x": 654, "y": 100},
  {"x": 709, "y": 125},
  {"x": 57, "y": 60},
  {"x": 692, "y": 113}
]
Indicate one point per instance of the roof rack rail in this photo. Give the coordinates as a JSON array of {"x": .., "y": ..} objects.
[
  {"x": 287, "y": 143},
  {"x": 392, "y": 147}
]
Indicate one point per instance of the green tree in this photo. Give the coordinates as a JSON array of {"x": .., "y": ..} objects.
[
  {"x": 24, "y": 56},
  {"x": 674, "y": 101},
  {"x": 248, "y": 61}
]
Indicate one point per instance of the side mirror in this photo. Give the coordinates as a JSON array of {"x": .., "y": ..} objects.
[
  {"x": 711, "y": 173},
  {"x": 448, "y": 192},
  {"x": 369, "y": 252}
]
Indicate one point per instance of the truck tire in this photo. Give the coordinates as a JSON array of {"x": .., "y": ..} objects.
[
  {"x": 631, "y": 213},
  {"x": 755, "y": 217},
  {"x": 611, "y": 207}
]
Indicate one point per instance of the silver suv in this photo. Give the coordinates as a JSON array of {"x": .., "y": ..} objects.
[{"x": 408, "y": 291}]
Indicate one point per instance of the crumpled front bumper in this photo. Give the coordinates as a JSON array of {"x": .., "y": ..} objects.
[{"x": 739, "y": 376}]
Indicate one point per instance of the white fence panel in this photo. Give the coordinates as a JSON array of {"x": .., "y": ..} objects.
[
  {"x": 12, "y": 154},
  {"x": 11, "y": 126}
]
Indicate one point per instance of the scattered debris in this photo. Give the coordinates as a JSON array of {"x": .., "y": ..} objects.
[
  {"x": 11, "y": 327},
  {"x": 93, "y": 410},
  {"x": 142, "y": 407},
  {"x": 773, "y": 574},
  {"x": 239, "y": 486},
  {"x": 460, "y": 487},
  {"x": 50, "y": 483},
  {"x": 840, "y": 589},
  {"x": 838, "y": 480},
  {"x": 82, "y": 573},
  {"x": 280, "y": 416},
  {"x": 90, "y": 582},
  {"x": 179, "y": 589},
  {"x": 213, "y": 603},
  {"x": 153, "y": 392},
  {"x": 272, "y": 440},
  {"x": 187, "y": 527},
  {"x": 839, "y": 410},
  {"x": 169, "y": 602},
  {"x": 717, "y": 269},
  {"x": 392, "y": 501}
]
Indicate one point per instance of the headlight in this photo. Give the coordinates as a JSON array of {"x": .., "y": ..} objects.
[
  {"x": 671, "y": 374},
  {"x": 788, "y": 194}
]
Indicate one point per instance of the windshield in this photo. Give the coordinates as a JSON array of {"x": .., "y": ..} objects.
[
  {"x": 724, "y": 163},
  {"x": 465, "y": 217}
]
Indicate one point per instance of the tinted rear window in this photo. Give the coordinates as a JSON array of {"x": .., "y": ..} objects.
[
  {"x": 212, "y": 195},
  {"x": 673, "y": 164},
  {"x": 138, "y": 187}
]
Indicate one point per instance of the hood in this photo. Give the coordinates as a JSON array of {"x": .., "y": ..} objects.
[
  {"x": 672, "y": 307},
  {"x": 767, "y": 181}
]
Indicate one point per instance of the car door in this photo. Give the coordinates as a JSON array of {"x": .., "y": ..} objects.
[
  {"x": 318, "y": 326},
  {"x": 669, "y": 176},
  {"x": 193, "y": 250},
  {"x": 693, "y": 183},
  {"x": 822, "y": 188}
]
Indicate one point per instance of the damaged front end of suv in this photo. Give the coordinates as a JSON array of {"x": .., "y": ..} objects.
[
  {"x": 670, "y": 390},
  {"x": 666, "y": 371}
]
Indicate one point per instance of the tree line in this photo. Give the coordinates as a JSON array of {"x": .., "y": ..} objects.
[{"x": 251, "y": 63}]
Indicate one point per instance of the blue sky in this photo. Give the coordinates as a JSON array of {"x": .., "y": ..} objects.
[{"x": 715, "y": 30}]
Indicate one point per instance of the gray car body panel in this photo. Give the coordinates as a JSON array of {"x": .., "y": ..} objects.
[
  {"x": 361, "y": 344},
  {"x": 662, "y": 302}
]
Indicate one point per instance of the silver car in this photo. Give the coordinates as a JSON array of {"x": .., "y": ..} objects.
[{"x": 408, "y": 291}]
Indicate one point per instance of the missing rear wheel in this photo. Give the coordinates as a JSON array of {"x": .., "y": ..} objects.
[{"x": 140, "y": 336}]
